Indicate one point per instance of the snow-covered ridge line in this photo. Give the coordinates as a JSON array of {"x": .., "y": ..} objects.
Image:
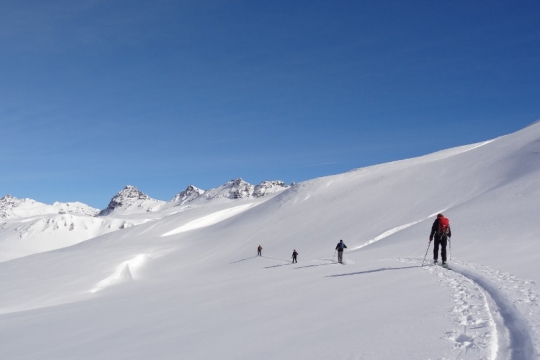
[
  {"x": 240, "y": 189},
  {"x": 130, "y": 200},
  {"x": 234, "y": 189},
  {"x": 14, "y": 208}
]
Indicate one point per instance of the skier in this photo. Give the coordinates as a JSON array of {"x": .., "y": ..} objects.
[
  {"x": 259, "y": 251},
  {"x": 440, "y": 231},
  {"x": 339, "y": 247},
  {"x": 294, "y": 255}
]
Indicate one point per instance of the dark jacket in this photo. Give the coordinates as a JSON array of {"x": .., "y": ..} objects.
[
  {"x": 339, "y": 246},
  {"x": 435, "y": 230},
  {"x": 294, "y": 254}
]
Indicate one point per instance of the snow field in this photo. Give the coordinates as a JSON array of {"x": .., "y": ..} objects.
[{"x": 201, "y": 292}]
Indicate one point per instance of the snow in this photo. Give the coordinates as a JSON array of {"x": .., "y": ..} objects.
[
  {"x": 13, "y": 208},
  {"x": 183, "y": 280},
  {"x": 210, "y": 219}
]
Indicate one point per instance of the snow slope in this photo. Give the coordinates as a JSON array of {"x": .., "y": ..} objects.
[
  {"x": 30, "y": 235},
  {"x": 188, "y": 284},
  {"x": 30, "y": 227}
]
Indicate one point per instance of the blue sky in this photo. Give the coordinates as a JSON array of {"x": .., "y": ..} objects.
[{"x": 161, "y": 94}]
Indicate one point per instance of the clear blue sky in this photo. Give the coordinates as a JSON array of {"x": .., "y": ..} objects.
[{"x": 98, "y": 94}]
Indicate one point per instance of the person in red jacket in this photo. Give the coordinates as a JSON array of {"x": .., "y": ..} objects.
[
  {"x": 259, "y": 251},
  {"x": 440, "y": 232}
]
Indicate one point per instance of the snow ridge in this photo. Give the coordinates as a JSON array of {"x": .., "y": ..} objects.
[
  {"x": 234, "y": 189},
  {"x": 240, "y": 189},
  {"x": 14, "y": 208}
]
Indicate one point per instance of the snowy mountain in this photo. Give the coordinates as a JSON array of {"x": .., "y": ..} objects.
[
  {"x": 268, "y": 187},
  {"x": 234, "y": 189},
  {"x": 239, "y": 189},
  {"x": 131, "y": 201},
  {"x": 28, "y": 226},
  {"x": 13, "y": 208},
  {"x": 189, "y": 284},
  {"x": 191, "y": 193},
  {"x": 31, "y": 227}
]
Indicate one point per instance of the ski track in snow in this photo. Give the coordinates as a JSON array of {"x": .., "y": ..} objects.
[
  {"x": 264, "y": 257},
  {"x": 299, "y": 265},
  {"x": 393, "y": 231},
  {"x": 496, "y": 314}
]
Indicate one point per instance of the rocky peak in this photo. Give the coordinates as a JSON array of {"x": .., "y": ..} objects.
[
  {"x": 190, "y": 194},
  {"x": 240, "y": 189},
  {"x": 8, "y": 199},
  {"x": 127, "y": 196},
  {"x": 269, "y": 187},
  {"x": 7, "y": 203}
]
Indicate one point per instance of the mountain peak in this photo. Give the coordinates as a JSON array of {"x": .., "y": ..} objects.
[
  {"x": 190, "y": 194},
  {"x": 127, "y": 196},
  {"x": 240, "y": 189},
  {"x": 233, "y": 189},
  {"x": 7, "y": 203}
]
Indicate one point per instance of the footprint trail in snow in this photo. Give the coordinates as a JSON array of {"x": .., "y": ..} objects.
[{"x": 496, "y": 314}]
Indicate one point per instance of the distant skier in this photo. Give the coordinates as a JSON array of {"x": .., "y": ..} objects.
[
  {"x": 294, "y": 255},
  {"x": 340, "y": 247},
  {"x": 440, "y": 231},
  {"x": 259, "y": 251}
]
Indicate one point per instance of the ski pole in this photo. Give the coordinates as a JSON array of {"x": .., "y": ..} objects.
[
  {"x": 429, "y": 243},
  {"x": 450, "y": 243},
  {"x": 333, "y": 257}
]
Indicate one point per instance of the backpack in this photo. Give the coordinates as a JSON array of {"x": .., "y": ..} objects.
[{"x": 444, "y": 228}]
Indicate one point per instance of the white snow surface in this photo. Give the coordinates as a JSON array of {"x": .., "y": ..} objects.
[
  {"x": 185, "y": 282},
  {"x": 13, "y": 208}
]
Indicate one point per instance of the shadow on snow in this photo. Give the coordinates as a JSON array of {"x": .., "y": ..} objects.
[
  {"x": 275, "y": 266},
  {"x": 308, "y": 266},
  {"x": 375, "y": 270},
  {"x": 237, "y": 261}
]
